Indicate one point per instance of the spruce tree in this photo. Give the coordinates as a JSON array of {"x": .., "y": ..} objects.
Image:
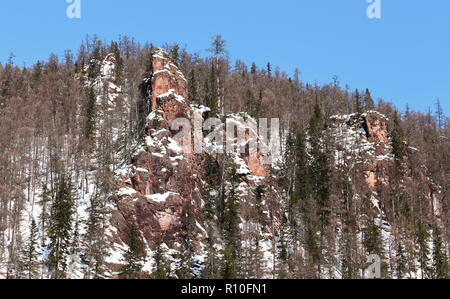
[
  {"x": 114, "y": 48},
  {"x": 132, "y": 256},
  {"x": 423, "y": 250},
  {"x": 230, "y": 264},
  {"x": 319, "y": 166},
  {"x": 209, "y": 191},
  {"x": 174, "y": 54},
  {"x": 253, "y": 70},
  {"x": 372, "y": 238},
  {"x": 269, "y": 70},
  {"x": 250, "y": 102},
  {"x": 440, "y": 259},
  {"x": 94, "y": 238},
  {"x": 211, "y": 269},
  {"x": 212, "y": 97},
  {"x": 192, "y": 87},
  {"x": 398, "y": 143},
  {"x": 282, "y": 267},
  {"x": 359, "y": 108},
  {"x": 185, "y": 269},
  {"x": 161, "y": 268},
  {"x": 94, "y": 64},
  {"x": 368, "y": 101},
  {"x": 209, "y": 194},
  {"x": 348, "y": 240},
  {"x": 401, "y": 261},
  {"x": 305, "y": 195},
  {"x": 90, "y": 115},
  {"x": 349, "y": 269},
  {"x": 44, "y": 217},
  {"x": 257, "y": 255},
  {"x": 60, "y": 229},
  {"x": 30, "y": 254}
]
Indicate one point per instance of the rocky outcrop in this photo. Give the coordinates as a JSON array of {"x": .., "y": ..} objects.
[
  {"x": 363, "y": 143},
  {"x": 163, "y": 181}
]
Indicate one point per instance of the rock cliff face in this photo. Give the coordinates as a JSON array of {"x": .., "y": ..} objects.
[
  {"x": 161, "y": 183},
  {"x": 164, "y": 179},
  {"x": 364, "y": 143}
]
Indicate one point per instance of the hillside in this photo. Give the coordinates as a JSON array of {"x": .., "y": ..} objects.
[{"x": 133, "y": 161}]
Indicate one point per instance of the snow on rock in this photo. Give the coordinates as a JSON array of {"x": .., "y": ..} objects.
[{"x": 160, "y": 197}]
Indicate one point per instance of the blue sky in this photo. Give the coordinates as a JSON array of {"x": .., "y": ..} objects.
[{"x": 404, "y": 57}]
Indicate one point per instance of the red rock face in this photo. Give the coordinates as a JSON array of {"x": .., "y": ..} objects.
[
  {"x": 370, "y": 148},
  {"x": 166, "y": 76},
  {"x": 163, "y": 181},
  {"x": 377, "y": 131},
  {"x": 255, "y": 166}
]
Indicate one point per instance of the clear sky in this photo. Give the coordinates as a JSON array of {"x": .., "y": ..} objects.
[{"x": 404, "y": 57}]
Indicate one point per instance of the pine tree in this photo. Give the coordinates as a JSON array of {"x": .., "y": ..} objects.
[
  {"x": 348, "y": 242},
  {"x": 312, "y": 245},
  {"x": 423, "y": 250},
  {"x": 192, "y": 87},
  {"x": 359, "y": 108},
  {"x": 174, "y": 54},
  {"x": 230, "y": 264},
  {"x": 401, "y": 261},
  {"x": 44, "y": 217},
  {"x": 94, "y": 64},
  {"x": 319, "y": 166},
  {"x": 303, "y": 186},
  {"x": 211, "y": 269},
  {"x": 304, "y": 194},
  {"x": 94, "y": 239},
  {"x": 269, "y": 70},
  {"x": 218, "y": 46},
  {"x": 440, "y": 259},
  {"x": 132, "y": 256},
  {"x": 253, "y": 70},
  {"x": 372, "y": 238},
  {"x": 114, "y": 48},
  {"x": 161, "y": 268},
  {"x": 185, "y": 269},
  {"x": 256, "y": 253},
  {"x": 398, "y": 143},
  {"x": 209, "y": 192},
  {"x": 60, "y": 229},
  {"x": 368, "y": 101},
  {"x": 30, "y": 254},
  {"x": 212, "y": 97},
  {"x": 250, "y": 102},
  {"x": 90, "y": 115},
  {"x": 75, "y": 250},
  {"x": 349, "y": 268},
  {"x": 283, "y": 253}
]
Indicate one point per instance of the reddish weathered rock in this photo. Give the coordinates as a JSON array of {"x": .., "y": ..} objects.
[
  {"x": 376, "y": 129},
  {"x": 366, "y": 143},
  {"x": 163, "y": 181}
]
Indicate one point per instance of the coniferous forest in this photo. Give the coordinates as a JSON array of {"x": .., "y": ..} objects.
[{"x": 92, "y": 186}]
